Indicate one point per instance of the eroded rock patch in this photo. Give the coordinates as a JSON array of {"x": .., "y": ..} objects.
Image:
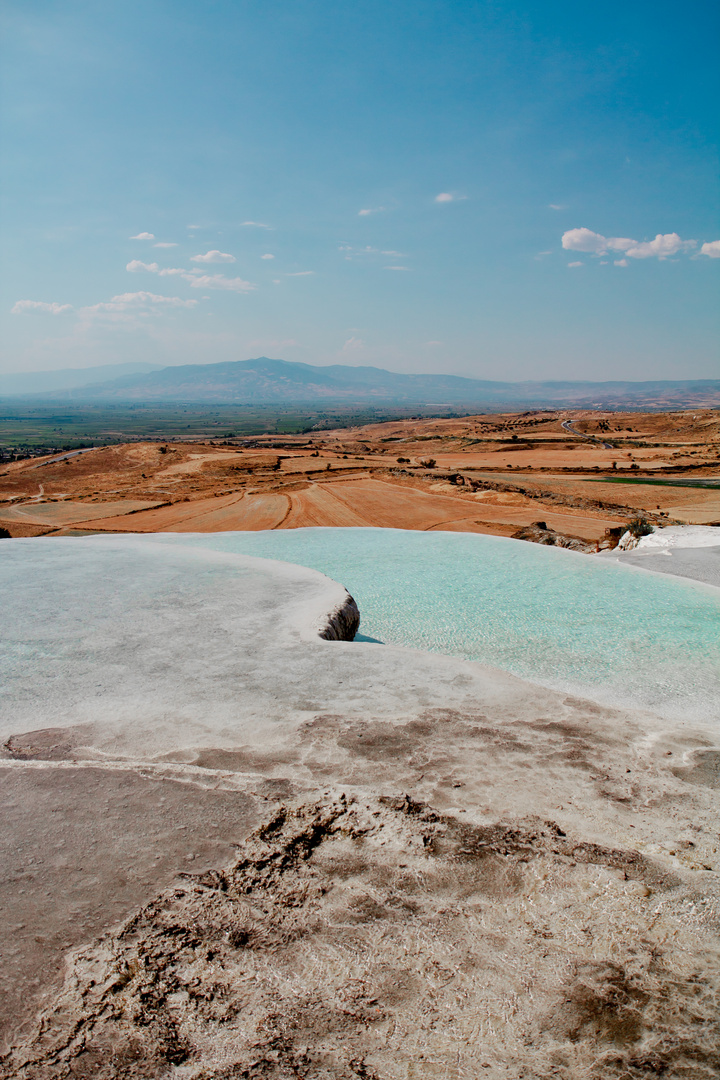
[{"x": 377, "y": 938}]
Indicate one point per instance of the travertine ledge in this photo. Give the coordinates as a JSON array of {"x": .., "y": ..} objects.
[{"x": 343, "y": 622}]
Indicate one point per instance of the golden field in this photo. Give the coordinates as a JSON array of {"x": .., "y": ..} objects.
[{"x": 579, "y": 472}]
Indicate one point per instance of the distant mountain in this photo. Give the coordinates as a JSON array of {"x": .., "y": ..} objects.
[
  {"x": 43, "y": 382},
  {"x": 266, "y": 382}
]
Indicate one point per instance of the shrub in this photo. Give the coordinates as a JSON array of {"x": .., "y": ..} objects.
[
  {"x": 639, "y": 527},
  {"x": 428, "y": 463}
]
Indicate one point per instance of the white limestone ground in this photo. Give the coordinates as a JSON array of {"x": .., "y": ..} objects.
[
  {"x": 681, "y": 536},
  {"x": 555, "y": 914},
  {"x": 689, "y": 551}
]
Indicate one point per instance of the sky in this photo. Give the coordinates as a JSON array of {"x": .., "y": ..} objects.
[{"x": 493, "y": 189}]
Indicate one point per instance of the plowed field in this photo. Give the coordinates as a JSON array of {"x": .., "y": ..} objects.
[
  {"x": 225, "y": 514},
  {"x": 582, "y": 473},
  {"x": 56, "y": 514}
]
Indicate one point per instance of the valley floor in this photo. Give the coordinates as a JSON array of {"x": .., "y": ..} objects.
[{"x": 583, "y": 474}]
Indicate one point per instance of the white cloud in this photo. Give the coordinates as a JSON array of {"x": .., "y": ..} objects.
[
  {"x": 213, "y": 257},
  {"x": 621, "y": 262},
  {"x": 370, "y": 210},
  {"x": 711, "y": 249},
  {"x": 143, "y": 236},
  {"x": 575, "y": 264},
  {"x": 193, "y": 226},
  {"x": 301, "y": 273},
  {"x": 219, "y": 281},
  {"x": 434, "y": 342},
  {"x": 358, "y": 251},
  {"x": 137, "y": 302},
  {"x": 444, "y": 196},
  {"x": 267, "y": 256},
  {"x": 164, "y": 245},
  {"x": 144, "y": 298},
  {"x": 556, "y": 206},
  {"x": 584, "y": 240},
  {"x": 255, "y": 224},
  {"x": 396, "y": 268},
  {"x": 368, "y": 250},
  {"x": 135, "y": 266},
  {"x": 353, "y": 344},
  {"x": 663, "y": 246},
  {"x": 39, "y": 305}
]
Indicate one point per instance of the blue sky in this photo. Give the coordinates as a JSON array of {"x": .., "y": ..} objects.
[{"x": 467, "y": 187}]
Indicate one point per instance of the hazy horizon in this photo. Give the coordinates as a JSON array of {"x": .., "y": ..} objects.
[{"x": 509, "y": 193}]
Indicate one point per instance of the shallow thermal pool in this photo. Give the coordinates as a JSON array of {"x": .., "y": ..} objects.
[{"x": 563, "y": 619}]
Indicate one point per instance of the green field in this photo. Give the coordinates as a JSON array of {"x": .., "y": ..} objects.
[
  {"x": 27, "y": 427},
  {"x": 646, "y": 482}
]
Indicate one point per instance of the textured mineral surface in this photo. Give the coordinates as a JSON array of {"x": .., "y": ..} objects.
[{"x": 232, "y": 848}]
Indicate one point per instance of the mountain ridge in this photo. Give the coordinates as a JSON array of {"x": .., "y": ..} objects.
[{"x": 263, "y": 380}]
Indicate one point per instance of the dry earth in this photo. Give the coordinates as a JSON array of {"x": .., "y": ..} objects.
[{"x": 492, "y": 474}]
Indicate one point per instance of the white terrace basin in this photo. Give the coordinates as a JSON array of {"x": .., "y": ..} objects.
[{"x": 563, "y": 619}]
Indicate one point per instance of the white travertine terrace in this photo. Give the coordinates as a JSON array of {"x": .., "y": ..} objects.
[
  {"x": 681, "y": 536},
  {"x": 689, "y": 551},
  {"x": 159, "y": 702},
  {"x": 159, "y": 648}
]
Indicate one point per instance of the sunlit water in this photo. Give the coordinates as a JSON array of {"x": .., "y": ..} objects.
[{"x": 559, "y": 618}]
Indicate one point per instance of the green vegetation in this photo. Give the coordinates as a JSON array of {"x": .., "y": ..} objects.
[
  {"x": 28, "y": 428},
  {"x": 697, "y": 483},
  {"x": 639, "y": 526}
]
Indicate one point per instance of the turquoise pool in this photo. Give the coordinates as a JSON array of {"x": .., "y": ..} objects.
[{"x": 559, "y": 618}]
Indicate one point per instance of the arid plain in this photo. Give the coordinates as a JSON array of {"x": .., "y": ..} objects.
[{"x": 582, "y": 473}]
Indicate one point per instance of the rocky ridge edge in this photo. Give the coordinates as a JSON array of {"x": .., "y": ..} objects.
[{"x": 342, "y": 623}]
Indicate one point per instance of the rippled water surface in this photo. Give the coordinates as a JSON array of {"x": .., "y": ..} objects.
[{"x": 556, "y": 617}]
